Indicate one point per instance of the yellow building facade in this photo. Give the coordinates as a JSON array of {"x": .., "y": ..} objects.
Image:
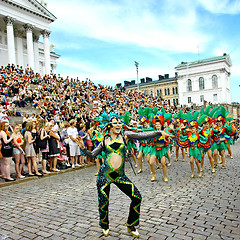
[{"x": 165, "y": 88}]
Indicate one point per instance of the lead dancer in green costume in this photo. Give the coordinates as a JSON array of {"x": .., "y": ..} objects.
[{"x": 112, "y": 170}]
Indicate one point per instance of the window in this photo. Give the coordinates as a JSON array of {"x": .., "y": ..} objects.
[
  {"x": 151, "y": 93},
  {"x": 177, "y": 101},
  {"x": 215, "y": 97},
  {"x": 189, "y": 85},
  {"x": 201, "y": 98},
  {"x": 201, "y": 83},
  {"x": 173, "y": 90},
  {"x": 174, "y": 102},
  {"x": 169, "y": 102},
  {"x": 214, "y": 81},
  {"x": 168, "y": 91},
  {"x": 176, "y": 90},
  {"x": 158, "y": 93},
  {"x": 189, "y": 100},
  {"x": 165, "y": 91}
]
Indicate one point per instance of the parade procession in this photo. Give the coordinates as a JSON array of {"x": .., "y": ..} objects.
[{"x": 119, "y": 120}]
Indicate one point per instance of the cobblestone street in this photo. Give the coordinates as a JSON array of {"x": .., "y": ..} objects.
[{"x": 64, "y": 206}]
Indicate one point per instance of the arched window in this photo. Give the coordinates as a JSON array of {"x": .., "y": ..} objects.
[
  {"x": 214, "y": 81},
  {"x": 189, "y": 85},
  {"x": 201, "y": 83},
  {"x": 165, "y": 91},
  {"x": 176, "y": 90},
  {"x": 173, "y": 90},
  {"x": 158, "y": 93},
  {"x": 168, "y": 91}
]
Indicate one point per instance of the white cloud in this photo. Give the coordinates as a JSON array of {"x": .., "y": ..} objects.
[
  {"x": 171, "y": 27},
  {"x": 83, "y": 70},
  {"x": 221, "y": 6},
  {"x": 75, "y": 64}
]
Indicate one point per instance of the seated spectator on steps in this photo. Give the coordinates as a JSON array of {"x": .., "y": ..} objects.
[{"x": 16, "y": 101}]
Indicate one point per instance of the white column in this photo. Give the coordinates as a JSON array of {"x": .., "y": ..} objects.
[
  {"x": 222, "y": 79},
  {"x": 36, "y": 53},
  {"x": 180, "y": 90},
  {"x": 46, "y": 34},
  {"x": 10, "y": 40},
  {"x": 19, "y": 40},
  {"x": 29, "y": 29},
  {"x": 54, "y": 69}
]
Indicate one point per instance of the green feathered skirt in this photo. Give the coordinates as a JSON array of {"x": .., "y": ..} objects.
[
  {"x": 145, "y": 150},
  {"x": 195, "y": 152},
  {"x": 221, "y": 146},
  {"x": 159, "y": 152},
  {"x": 131, "y": 145}
]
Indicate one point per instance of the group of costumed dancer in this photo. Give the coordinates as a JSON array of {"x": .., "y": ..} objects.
[{"x": 205, "y": 132}]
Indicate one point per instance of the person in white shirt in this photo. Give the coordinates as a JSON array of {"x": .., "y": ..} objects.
[{"x": 73, "y": 146}]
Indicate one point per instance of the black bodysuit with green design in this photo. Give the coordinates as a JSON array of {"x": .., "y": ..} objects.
[{"x": 107, "y": 175}]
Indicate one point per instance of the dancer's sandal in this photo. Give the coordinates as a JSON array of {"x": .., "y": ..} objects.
[
  {"x": 153, "y": 178},
  {"x": 213, "y": 170},
  {"x": 133, "y": 230},
  {"x": 105, "y": 232}
]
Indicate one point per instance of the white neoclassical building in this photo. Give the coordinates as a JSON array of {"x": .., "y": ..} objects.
[
  {"x": 204, "y": 80},
  {"x": 22, "y": 22}
]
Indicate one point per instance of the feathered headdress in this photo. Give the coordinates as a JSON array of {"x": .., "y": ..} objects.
[
  {"x": 178, "y": 117},
  {"x": 161, "y": 116},
  {"x": 126, "y": 119},
  {"x": 105, "y": 119},
  {"x": 192, "y": 119},
  {"x": 221, "y": 115},
  {"x": 207, "y": 115},
  {"x": 144, "y": 114}
]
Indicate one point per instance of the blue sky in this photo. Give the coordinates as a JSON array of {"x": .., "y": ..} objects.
[{"x": 101, "y": 39}]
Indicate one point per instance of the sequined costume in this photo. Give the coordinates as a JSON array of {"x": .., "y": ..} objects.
[
  {"x": 181, "y": 138},
  {"x": 194, "y": 151},
  {"x": 218, "y": 134},
  {"x": 107, "y": 175},
  {"x": 222, "y": 133},
  {"x": 205, "y": 141},
  {"x": 161, "y": 151},
  {"x": 97, "y": 138}
]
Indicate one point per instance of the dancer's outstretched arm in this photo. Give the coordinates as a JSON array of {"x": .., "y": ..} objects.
[{"x": 145, "y": 135}]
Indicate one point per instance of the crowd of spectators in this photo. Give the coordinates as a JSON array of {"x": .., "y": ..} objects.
[{"x": 66, "y": 110}]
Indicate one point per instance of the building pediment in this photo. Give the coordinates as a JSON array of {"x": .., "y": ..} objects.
[{"x": 32, "y": 6}]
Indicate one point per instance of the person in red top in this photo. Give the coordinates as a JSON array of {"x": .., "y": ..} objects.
[{"x": 18, "y": 152}]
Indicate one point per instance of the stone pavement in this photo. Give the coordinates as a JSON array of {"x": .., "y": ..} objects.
[{"x": 64, "y": 206}]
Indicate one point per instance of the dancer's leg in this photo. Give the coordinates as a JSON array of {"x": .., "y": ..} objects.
[{"x": 126, "y": 186}]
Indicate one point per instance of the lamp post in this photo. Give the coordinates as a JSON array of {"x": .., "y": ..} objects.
[{"x": 136, "y": 65}]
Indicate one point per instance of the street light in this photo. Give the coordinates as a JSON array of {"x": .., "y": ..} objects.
[{"x": 136, "y": 65}]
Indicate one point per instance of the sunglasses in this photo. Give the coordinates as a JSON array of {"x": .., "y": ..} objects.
[{"x": 116, "y": 123}]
